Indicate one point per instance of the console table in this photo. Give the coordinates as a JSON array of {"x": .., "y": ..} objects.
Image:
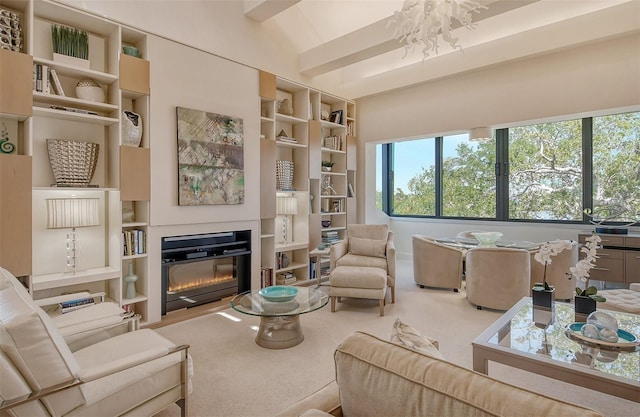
[{"x": 618, "y": 259}]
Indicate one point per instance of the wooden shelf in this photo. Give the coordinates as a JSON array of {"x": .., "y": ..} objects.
[{"x": 44, "y": 282}]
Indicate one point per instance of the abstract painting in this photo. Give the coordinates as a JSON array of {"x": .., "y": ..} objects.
[{"x": 210, "y": 158}]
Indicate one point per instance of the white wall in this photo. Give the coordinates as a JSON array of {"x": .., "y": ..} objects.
[{"x": 584, "y": 81}]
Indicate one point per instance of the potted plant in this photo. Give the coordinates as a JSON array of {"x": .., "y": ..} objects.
[
  {"x": 70, "y": 42},
  {"x": 542, "y": 292},
  {"x": 585, "y": 299},
  {"x": 327, "y": 165}
]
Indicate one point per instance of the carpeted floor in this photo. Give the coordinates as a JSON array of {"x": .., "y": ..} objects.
[{"x": 235, "y": 377}]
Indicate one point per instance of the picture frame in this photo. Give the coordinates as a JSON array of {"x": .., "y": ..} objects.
[{"x": 336, "y": 117}]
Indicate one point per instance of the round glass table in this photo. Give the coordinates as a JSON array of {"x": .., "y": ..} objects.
[{"x": 280, "y": 320}]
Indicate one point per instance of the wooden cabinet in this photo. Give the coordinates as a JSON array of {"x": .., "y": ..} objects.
[
  {"x": 15, "y": 84},
  {"x": 618, "y": 258}
]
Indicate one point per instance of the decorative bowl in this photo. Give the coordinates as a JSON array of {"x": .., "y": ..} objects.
[
  {"x": 487, "y": 238},
  {"x": 131, "y": 51},
  {"x": 326, "y": 223},
  {"x": 279, "y": 293},
  {"x": 89, "y": 90}
]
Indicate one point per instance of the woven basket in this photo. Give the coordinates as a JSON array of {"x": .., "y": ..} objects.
[
  {"x": 284, "y": 175},
  {"x": 73, "y": 162}
]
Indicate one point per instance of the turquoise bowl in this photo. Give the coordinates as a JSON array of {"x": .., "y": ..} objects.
[
  {"x": 131, "y": 50},
  {"x": 279, "y": 293}
]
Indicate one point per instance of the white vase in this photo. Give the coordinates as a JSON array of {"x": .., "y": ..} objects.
[
  {"x": 131, "y": 128},
  {"x": 89, "y": 90}
]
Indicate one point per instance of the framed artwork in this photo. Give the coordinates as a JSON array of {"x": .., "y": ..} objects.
[
  {"x": 336, "y": 117},
  {"x": 210, "y": 158}
]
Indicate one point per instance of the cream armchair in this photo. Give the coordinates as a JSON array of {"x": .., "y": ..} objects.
[
  {"x": 436, "y": 265},
  {"x": 137, "y": 373},
  {"x": 363, "y": 265},
  {"x": 497, "y": 277}
]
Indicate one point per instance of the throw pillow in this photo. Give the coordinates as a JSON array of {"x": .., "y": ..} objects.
[
  {"x": 405, "y": 335},
  {"x": 367, "y": 247}
]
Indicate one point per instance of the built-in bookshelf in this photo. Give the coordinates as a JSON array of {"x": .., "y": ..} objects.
[{"x": 304, "y": 127}]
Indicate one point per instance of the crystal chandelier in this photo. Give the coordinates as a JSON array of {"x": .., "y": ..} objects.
[{"x": 422, "y": 21}]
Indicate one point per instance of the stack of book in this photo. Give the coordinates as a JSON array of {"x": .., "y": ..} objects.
[
  {"x": 332, "y": 142},
  {"x": 134, "y": 242},
  {"x": 286, "y": 278},
  {"x": 330, "y": 236},
  {"x": 266, "y": 277},
  {"x": 286, "y": 139},
  {"x": 72, "y": 305},
  {"x": 45, "y": 80}
]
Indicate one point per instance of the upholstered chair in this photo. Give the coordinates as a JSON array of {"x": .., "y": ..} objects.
[
  {"x": 497, "y": 277},
  {"x": 363, "y": 265},
  {"x": 436, "y": 265},
  {"x": 136, "y": 373},
  {"x": 557, "y": 272}
]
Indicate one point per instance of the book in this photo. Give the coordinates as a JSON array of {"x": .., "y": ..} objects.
[
  {"x": 57, "y": 86},
  {"x": 73, "y": 305},
  {"x": 351, "y": 192},
  {"x": 72, "y": 109}
]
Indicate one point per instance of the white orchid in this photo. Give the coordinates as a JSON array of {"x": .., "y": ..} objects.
[
  {"x": 582, "y": 269},
  {"x": 546, "y": 252}
]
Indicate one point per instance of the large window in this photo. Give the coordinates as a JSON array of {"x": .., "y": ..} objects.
[
  {"x": 543, "y": 172},
  {"x": 468, "y": 179},
  {"x": 616, "y": 166},
  {"x": 414, "y": 181}
]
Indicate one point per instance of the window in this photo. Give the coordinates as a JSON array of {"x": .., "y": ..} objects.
[
  {"x": 468, "y": 177},
  {"x": 414, "y": 178},
  {"x": 543, "y": 172},
  {"x": 616, "y": 166}
]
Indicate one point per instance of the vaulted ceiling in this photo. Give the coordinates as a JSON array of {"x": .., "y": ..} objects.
[{"x": 350, "y": 42}]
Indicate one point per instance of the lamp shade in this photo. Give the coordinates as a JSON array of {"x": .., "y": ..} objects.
[
  {"x": 286, "y": 205},
  {"x": 63, "y": 213},
  {"x": 480, "y": 133}
]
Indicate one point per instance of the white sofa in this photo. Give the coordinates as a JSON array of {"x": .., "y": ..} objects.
[{"x": 137, "y": 373}]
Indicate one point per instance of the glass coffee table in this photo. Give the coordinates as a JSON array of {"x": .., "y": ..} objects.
[
  {"x": 280, "y": 321},
  {"x": 542, "y": 347}
]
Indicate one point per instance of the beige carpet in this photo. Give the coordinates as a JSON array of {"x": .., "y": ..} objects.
[{"x": 235, "y": 377}]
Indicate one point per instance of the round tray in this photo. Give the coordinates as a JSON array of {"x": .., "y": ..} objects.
[{"x": 627, "y": 342}]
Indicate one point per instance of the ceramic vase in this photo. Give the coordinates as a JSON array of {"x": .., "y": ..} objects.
[
  {"x": 542, "y": 298},
  {"x": 90, "y": 90},
  {"x": 583, "y": 307},
  {"x": 131, "y": 128},
  {"x": 130, "y": 279}
]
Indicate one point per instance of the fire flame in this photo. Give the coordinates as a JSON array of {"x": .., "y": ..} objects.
[{"x": 199, "y": 282}]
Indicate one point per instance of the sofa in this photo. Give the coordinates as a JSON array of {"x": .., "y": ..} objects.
[{"x": 376, "y": 377}]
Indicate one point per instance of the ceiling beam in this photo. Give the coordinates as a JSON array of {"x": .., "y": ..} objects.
[
  {"x": 376, "y": 39},
  {"x": 261, "y": 10}
]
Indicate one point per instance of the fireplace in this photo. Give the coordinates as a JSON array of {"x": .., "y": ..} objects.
[{"x": 198, "y": 269}]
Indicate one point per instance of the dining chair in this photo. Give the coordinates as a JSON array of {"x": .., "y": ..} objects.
[{"x": 497, "y": 278}]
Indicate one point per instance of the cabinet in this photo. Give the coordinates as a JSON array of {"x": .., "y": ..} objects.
[
  {"x": 121, "y": 178},
  {"x": 305, "y": 127},
  {"x": 618, "y": 258}
]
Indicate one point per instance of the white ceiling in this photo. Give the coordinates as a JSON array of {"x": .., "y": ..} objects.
[{"x": 350, "y": 43}]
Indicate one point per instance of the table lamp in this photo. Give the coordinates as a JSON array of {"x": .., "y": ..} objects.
[
  {"x": 70, "y": 213},
  {"x": 286, "y": 206}
]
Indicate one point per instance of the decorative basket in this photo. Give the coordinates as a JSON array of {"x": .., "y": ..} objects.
[
  {"x": 284, "y": 175},
  {"x": 73, "y": 162}
]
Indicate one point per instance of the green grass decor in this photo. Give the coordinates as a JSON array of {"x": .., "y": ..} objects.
[{"x": 70, "y": 41}]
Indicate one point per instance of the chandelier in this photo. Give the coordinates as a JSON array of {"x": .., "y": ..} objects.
[{"x": 423, "y": 21}]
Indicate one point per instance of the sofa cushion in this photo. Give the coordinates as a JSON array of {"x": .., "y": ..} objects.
[
  {"x": 367, "y": 247},
  {"x": 414, "y": 384},
  {"x": 406, "y": 335},
  {"x": 351, "y": 259},
  {"x": 368, "y": 231}
]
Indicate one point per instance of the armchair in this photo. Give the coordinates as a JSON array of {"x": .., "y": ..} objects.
[
  {"x": 136, "y": 373},
  {"x": 363, "y": 265},
  {"x": 436, "y": 265},
  {"x": 89, "y": 325},
  {"x": 497, "y": 277}
]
